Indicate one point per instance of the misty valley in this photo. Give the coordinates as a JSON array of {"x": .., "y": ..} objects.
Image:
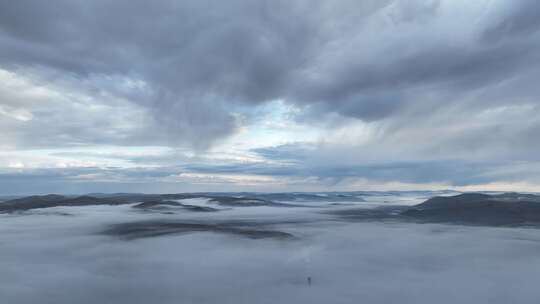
[{"x": 333, "y": 247}]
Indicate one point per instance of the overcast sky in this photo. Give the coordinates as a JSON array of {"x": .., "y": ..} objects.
[{"x": 176, "y": 96}]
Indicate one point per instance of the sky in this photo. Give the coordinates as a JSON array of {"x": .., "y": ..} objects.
[{"x": 296, "y": 95}]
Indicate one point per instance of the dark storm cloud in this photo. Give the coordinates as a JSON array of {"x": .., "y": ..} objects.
[
  {"x": 447, "y": 86},
  {"x": 437, "y": 73},
  {"x": 520, "y": 18},
  {"x": 198, "y": 59}
]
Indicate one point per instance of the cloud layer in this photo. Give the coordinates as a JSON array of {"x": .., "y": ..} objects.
[
  {"x": 418, "y": 86},
  {"x": 373, "y": 261}
]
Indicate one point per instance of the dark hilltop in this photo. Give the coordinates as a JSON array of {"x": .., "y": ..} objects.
[{"x": 508, "y": 209}]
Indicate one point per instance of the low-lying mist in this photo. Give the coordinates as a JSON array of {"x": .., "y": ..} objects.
[{"x": 68, "y": 255}]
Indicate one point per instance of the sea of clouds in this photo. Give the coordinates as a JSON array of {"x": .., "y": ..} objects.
[{"x": 61, "y": 255}]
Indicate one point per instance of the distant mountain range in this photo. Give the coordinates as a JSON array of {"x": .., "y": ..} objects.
[
  {"x": 53, "y": 200},
  {"x": 508, "y": 209},
  {"x": 480, "y": 209}
]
